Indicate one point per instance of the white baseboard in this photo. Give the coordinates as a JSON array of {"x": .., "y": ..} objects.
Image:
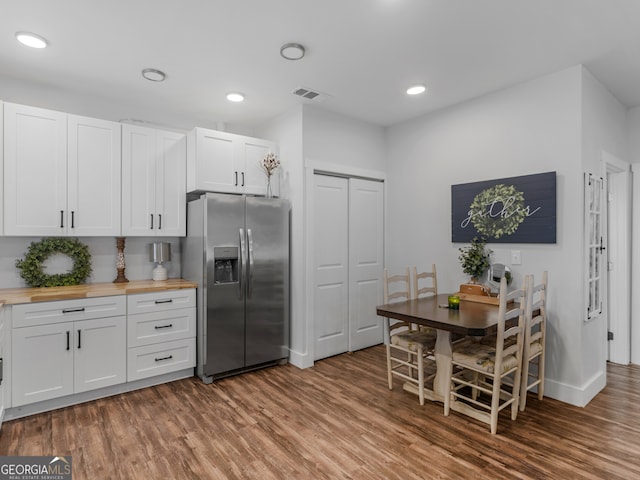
[
  {"x": 578, "y": 396},
  {"x": 300, "y": 360}
]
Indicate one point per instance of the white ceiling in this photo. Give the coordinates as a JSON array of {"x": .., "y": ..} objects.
[{"x": 362, "y": 53}]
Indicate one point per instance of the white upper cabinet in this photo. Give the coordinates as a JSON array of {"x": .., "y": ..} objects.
[
  {"x": 35, "y": 171},
  {"x": 153, "y": 182},
  {"x": 226, "y": 162},
  {"x": 62, "y": 174},
  {"x": 93, "y": 179}
]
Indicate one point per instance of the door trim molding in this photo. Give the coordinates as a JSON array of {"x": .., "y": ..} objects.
[{"x": 618, "y": 292}]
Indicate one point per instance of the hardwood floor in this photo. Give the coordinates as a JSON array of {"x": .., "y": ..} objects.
[{"x": 335, "y": 420}]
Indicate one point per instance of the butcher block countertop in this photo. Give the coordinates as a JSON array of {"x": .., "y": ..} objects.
[{"x": 9, "y": 296}]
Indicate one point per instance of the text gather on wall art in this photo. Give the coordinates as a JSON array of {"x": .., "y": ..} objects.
[{"x": 507, "y": 210}]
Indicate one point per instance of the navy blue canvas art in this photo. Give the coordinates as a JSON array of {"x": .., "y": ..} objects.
[{"x": 507, "y": 210}]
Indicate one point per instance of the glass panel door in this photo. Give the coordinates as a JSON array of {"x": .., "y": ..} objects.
[{"x": 594, "y": 244}]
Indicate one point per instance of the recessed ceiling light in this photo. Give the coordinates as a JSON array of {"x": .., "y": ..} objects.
[
  {"x": 153, "y": 75},
  {"x": 31, "y": 40},
  {"x": 292, "y": 51},
  {"x": 235, "y": 97},
  {"x": 416, "y": 90}
]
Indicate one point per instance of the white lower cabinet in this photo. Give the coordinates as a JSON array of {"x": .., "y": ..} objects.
[
  {"x": 67, "y": 347},
  {"x": 162, "y": 337},
  {"x": 61, "y": 358}
]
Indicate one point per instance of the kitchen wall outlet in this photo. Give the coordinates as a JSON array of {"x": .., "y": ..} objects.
[{"x": 515, "y": 257}]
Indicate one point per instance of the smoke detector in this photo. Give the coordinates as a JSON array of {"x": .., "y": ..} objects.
[{"x": 309, "y": 94}]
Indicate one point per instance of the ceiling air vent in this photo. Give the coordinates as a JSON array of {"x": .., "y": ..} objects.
[{"x": 309, "y": 94}]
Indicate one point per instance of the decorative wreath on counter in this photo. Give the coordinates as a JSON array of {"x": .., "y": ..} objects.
[{"x": 31, "y": 266}]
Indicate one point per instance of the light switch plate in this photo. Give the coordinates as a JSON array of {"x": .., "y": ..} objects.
[{"x": 515, "y": 257}]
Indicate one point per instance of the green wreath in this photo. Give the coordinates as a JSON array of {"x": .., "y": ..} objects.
[
  {"x": 498, "y": 210},
  {"x": 31, "y": 267}
]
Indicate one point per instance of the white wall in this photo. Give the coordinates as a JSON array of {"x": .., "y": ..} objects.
[
  {"x": 604, "y": 129},
  {"x": 103, "y": 258},
  {"x": 633, "y": 131},
  {"x": 311, "y": 136},
  {"x": 633, "y": 134},
  {"x": 530, "y": 128},
  {"x": 79, "y": 103},
  {"x": 331, "y": 138}
]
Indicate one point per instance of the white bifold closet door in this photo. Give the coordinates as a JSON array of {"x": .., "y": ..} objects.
[{"x": 349, "y": 248}]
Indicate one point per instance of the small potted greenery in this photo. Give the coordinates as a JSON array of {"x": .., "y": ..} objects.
[{"x": 475, "y": 258}]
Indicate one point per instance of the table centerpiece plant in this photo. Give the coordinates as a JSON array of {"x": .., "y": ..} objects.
[{"x": 475, "y": 259}]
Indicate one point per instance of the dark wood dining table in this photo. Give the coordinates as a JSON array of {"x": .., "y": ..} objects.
[{"x": 472, "y": 319}]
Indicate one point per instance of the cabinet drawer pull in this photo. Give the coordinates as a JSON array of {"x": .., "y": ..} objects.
[
  {"x": 72, "y": 310},
  {"x": 79, "y": 338},
  {"x": 158, "y": 327},
  {"x": 68, "y": 346},
  {"x": 169, "y": 300},
  {"x": 164, "y": 358}
]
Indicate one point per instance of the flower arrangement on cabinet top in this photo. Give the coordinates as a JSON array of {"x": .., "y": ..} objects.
[{"x": 270, "y": 162}]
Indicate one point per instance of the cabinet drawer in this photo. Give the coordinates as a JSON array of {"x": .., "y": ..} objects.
[
  {"x": 155, "y": 327},
  {"x": 166, "y": 357},
  {"x": 161, "y": 301},
  {"x": 44, "y": 313}
]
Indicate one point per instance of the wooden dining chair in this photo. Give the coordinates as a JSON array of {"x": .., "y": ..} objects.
[
  {"x": 479, "y": 369},
  {"x": 407, "y": 347},
  {"x": 422, "y": 290},
  {"x": 534, "y": 341}
]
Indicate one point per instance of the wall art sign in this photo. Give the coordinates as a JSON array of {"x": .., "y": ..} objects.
[{"x": 507, "y": 210}]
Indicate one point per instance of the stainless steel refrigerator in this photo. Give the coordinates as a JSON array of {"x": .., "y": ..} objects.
[{"x": 237, "y": 249}]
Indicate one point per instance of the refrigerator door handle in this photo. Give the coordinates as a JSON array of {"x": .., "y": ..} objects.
[
  {"x": 250, "y": 263},
  {"x": 241, "y": 267}
]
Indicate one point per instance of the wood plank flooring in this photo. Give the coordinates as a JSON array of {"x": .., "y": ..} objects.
[{"x": 337, "y": 420}]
